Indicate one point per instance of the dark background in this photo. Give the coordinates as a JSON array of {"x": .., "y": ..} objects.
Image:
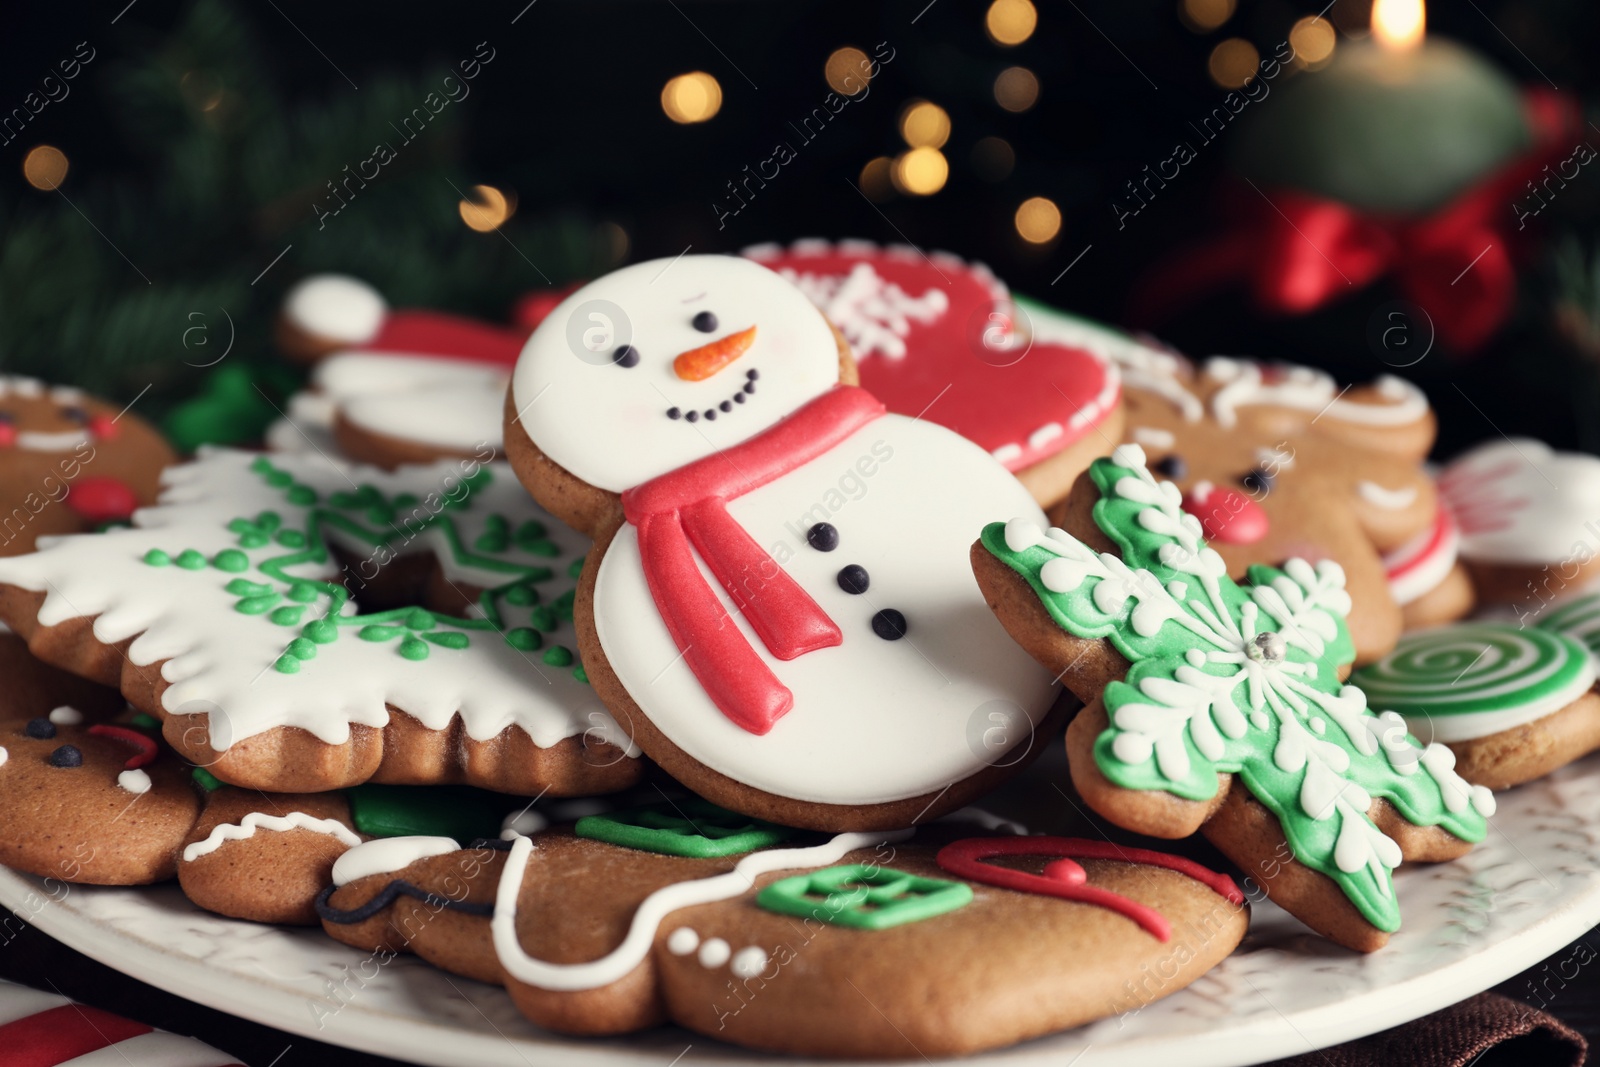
[{"x": 568, "y": 116}]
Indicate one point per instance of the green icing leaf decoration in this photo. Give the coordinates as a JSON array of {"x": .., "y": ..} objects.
[
  {"x": 864, "y": 897},
  {"x": 689, "y": 827},
  {"x": 1240, "y": 679}
]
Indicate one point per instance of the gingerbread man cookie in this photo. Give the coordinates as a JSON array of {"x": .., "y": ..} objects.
[
  {"x": 1217, "y": 707},
  {"x": 776, "y": 607},
  {"x": 1512, "y": 702},
  {"x": 1277, "y": 462},
  {"x": 752, "y": 933},
  {"x": 391, "y": 387},
  {"x": 301, "y": 625},
  {"x": 933, "y": 338}
]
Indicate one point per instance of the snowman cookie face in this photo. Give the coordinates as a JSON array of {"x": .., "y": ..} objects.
[
  {"x": 657, "y": 364},
  {"x": 778, "y": 606}
]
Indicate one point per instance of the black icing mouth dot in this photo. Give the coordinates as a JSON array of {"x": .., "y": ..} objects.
[
  {"x": 705, "y": 322},
  {"x": 1257, "y": 480},
  {"x": 824, "y": 537},
  {"x": 889, "y": 624},
  {"x": 69, "y": 756},
  {"x": 625, "y": 356},
  {"x": 1172, "y": 467},
  {"x": 40, "y": 729},
  {"x": 854, "y": 579},
  {"x": 724, "y": 407}
]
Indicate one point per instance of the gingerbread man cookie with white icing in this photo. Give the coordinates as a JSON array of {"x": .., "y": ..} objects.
[
  {"x": 1278, "y": 462},
  {"x": 1217, "y": 707},
  {"x": 300, "y": 624},
  {"x": 934, "y": 337},
  {"x": 776, "y": 607},
  {"x": 942, "y": 944}
]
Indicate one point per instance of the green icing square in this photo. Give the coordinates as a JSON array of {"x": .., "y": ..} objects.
[
  {"x": 695, "y": 828},
  {"x": 864, "y": 897}
]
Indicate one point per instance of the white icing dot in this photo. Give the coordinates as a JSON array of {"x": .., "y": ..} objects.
[
  {"x": 749, "y": 962},
  {"x": 66, "y": 716},
  {"x": 134, "y": 781},
  {"x": 714, "y": 953},
  {"x": 523, "y": 823},
  {"x": 1318, "y": 725},
  {"x": 1179, "y": 590},
  {"x": 682, "y": 941},
  {"x": 4, "y": 755},
  {"x": 336, "y": 307}
]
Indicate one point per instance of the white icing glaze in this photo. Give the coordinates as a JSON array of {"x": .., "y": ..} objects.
[
  {"x": 569, "y": 977},
  {"x": 134, "y": 781},
  {"x": 387, "y": 854},
  {"x": 749, "y": 962},
  {"x": 522, "y": 824},
  {"x": 714, "y": 952},
  {"x": 1308, "y": 390},
  {"x": 1519, "y": 501},
  {"x": 1153, "y": 437},
  {"x": 874, "y": 315},
  {"x": 259, "y": 820},
  {"x": 1417, "y": 567},
  {"x": 4, "y": 755},
  {"x": 933, "y": 685},
  {"x": 66, "y": 716},
  {"x": 336, "y": 307},
  {"x": 607, "y": 424},
  {"x": 216, "y": 657},
  {"x": 1388, "y": 499},
  {"x": 682, "y": 941},
  {"x": 63, "y": 441}
]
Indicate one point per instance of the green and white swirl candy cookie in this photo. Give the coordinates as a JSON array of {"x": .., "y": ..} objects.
[{"x": 1513, "y": 702}]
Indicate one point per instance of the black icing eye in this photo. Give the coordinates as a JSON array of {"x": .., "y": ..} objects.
[
  {"x": 889, "y": 624},
  {"x": 705, "y": 322},
  {"x": 40, "y": 729},
  {"x": 824, "y": 537},
  {"x": 75, "y": 414},
  {"x": 67, "y": 756},
  {"x": 1171, "y": 467},
  {"x": 625, "y": 356},
  {"x": 1257, "y": 480}
]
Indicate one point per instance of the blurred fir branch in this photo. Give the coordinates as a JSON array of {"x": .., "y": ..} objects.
[{"x": 227, "y": 165}]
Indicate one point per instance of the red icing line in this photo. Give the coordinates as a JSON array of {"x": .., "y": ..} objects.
[
  {"x": 1439, "y": 536},
  {"x": 1064, "y": 878},
  {"x": 146, "y": 747},
  {"x": 57, "y": 1035},
  {"x": 430, "y": 333},
  {"x": 688, "y": 505}
]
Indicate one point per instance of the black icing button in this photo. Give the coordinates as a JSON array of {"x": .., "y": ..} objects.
[
  {"x": 41, "y": 729},
  {"x": 674, "y": 413},
  {"x": 711, "y": 414},
  {"x": 726, "y": 405},
  {"x": 693, "y": 416},
  {"x": 752, "y": 374},
  {"x": 824, "y": 537},
  {"x": 854, "y": 579},
  {"x": 625, "y": 356},
  {"x": 705, "y": 322},
  {"x": 1171, "y": 467},
  {"x": 71, "y": 756},
  {"x": 889, "y": 624}
]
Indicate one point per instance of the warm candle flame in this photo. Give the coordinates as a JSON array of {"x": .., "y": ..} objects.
[{"x": 1398, "y": 24}]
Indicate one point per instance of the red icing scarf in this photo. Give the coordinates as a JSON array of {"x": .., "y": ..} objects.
[{"x": 689, "y": 505}]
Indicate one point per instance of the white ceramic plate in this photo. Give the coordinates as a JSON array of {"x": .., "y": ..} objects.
[{"x": 1529, "y": 889}]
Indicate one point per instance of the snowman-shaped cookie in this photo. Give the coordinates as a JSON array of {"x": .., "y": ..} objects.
[{"x": 776, "y": 605}]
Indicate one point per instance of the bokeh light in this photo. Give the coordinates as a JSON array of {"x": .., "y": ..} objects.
[
  {"x": 1016, "y": 89},
  {"x": 1010, "y": 22},
  {"x": 993, "y": 159},
  {"x": 847, "y": 70},
  {"x": 1233, "y": 63},
  {"x": 877, "y": 178},
  {"x": 1038, "y": 220},
  {"x": 921, "y": 171},
  {"x": 486, "y": 208},
  {"x": 1203, "y": 16},
  {"x": 45, "y": 167},
  {"x": 692, "y": 97},
  {"x": 924, "y": 125},
  {"x": 1313, "y": 40}
]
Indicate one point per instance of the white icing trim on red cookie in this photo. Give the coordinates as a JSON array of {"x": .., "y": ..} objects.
[
  {"x": 336, "y": 307},
  {"x": 246, "y": 828},
  {"x": 647, "y": 919},
  {"x": 874, "y": 315},
  {"x": 1417, "y": 567},
  {"x": 217, "y": 657},
  {"x": 388, "y": 854},
  {"x": 1519, "y": 501}
]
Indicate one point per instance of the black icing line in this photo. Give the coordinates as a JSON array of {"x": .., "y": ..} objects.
[{"x": 391, "y": 893}]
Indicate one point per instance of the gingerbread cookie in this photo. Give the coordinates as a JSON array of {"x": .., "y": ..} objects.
[
  {"x": 934, "y": 338},
  {"x": 391, "y": 387},
  {"x": 301, "y": 625},
  {"x": 1217, "y": 707},
  {"x": 754, "y": 934},
  {"x": 1528, "y": 517},
  {"x": 48, "y": 1030},
  {"x": 107, "y": 804},
  {"x": 1277, "y": 462},
  {"x": 1512, "y": 702},
  {"x": 776, "y": 606}
]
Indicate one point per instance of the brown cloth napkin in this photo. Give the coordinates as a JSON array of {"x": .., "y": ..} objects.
[{"x": 1484, "y": 1031}]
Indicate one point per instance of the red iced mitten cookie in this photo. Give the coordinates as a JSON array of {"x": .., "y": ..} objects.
[
  {"x": 776, "y": 607},
  {"x": 934, "y": 338},
  {"x": 751, "y": 933},
  {"x": 302, "y": 625},
  {"x": 1217, "y": 707}
]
